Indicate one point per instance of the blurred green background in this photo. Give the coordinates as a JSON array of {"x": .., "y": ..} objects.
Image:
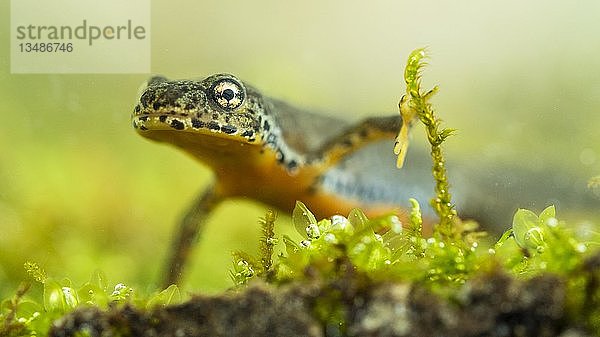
[{"x": 80, "y": 191}]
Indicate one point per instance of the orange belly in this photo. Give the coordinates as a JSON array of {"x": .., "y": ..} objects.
[{"x": 271, "y": 184}]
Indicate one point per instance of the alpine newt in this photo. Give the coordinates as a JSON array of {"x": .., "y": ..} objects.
[{"x": 264, "y": 149}]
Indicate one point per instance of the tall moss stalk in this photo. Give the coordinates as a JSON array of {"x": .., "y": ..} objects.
[{"x": 415, "y": 104}]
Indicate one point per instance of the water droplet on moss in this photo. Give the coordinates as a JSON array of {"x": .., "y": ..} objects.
[
  {"x": 396, "y": 224},
  {"x": 359, "y": 248},
  {"x": 330, "y": 238},
  {"x": 339, "y": 221},
  {"x": 313, "y": 231}
]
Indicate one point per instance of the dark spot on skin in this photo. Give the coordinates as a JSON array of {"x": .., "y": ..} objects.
[
  {"x": 364, "y": 133},
  {"x": 143, "y": 118},
  {"x": 137, "y": 108},
  {"x": 214, "y": 126},
  {"x": 227, "y": 119},
  {"x": 143, "y": 128},
  {"x": 347, "y": 142},
  {"x": 177, "y": 124},
  {"x": 189, "y": 106},
  {"x": 271, "y": 139},
  {"x": 228, "y": 129},
  {"x": 162, "y": 118},
  {"x": 248, "y": 133},
  {"x": 134, "y": 125},
  {"x": 172, "y": 112},
  {"x": 146, "y": 98},
  {"x": 215, "y": 116},
  {"x": 266, "y": 126},
  {"x": 252, "y": 140},
  {"x": 292, "y": 165},
  {"x": 280, "y": 157},
  {"x": 196, "y": 123},
  {"x": 156, "y": 106}
]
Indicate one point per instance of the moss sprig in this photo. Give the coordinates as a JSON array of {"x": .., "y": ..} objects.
[
  {"x": 415, "y": 104},
  {"x": 267, "y": 242},
  {"x": 246, "y": 266}
]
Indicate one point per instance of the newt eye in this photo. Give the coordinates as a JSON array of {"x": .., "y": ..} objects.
[{"x": 228, "y": 94}]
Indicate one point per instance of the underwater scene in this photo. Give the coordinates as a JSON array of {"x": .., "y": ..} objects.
[{"x": 83, "y": 190}]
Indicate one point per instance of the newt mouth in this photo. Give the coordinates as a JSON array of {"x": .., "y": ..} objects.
[{"x": 147, "y": 122}]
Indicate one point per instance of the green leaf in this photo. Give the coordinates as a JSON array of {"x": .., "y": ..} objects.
[
  {"x": 548, "y": 215},
  {"x": 534, "y": 238},
  {"x": 166, "y": 297},
  {"x": 92, "y": 294},
  {"x": 523, "y": 221},
  {"x": 28, "y": 308},
  {"x": 291, "y": 246},
  {"x": 358, "y": 219},
  {"x": 58, "y": 297},
  {"x": 503, "y": 239},
  {"x": 302, "y": 218},
  {"x": 369, "y": 253},
  {"x": 98, "y": 279},
  {"x": 445, "y": 133}
]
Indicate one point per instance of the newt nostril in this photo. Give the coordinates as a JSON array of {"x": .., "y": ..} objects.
[
  {"x": 147, "y": 98},
  {"x": 171, "y": 96}
]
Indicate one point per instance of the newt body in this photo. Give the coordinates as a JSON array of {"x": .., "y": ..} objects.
[{"x": 269, "y": 151}]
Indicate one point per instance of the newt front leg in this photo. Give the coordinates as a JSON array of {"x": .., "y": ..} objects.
[{"x": 187, "y": 233}]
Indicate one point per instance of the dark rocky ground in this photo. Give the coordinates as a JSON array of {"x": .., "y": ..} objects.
[{"x": 491, "y": 305}]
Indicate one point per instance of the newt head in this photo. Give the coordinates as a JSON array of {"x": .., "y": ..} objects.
[{"x": 211, "y": 113}]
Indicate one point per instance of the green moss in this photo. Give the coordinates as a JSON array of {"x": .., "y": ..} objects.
[
  {"x": 246, "y": 266},
  {"x": 415, "y": 104},
  {"x": 23, "y": 316},
  {"x": 349, "y": 250}
]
